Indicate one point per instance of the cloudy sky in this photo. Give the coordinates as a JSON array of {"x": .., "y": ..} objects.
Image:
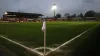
[{"x": 44, "y": 6}]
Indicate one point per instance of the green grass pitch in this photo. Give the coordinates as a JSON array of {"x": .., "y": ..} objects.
[{"x": 30, "y": 34}]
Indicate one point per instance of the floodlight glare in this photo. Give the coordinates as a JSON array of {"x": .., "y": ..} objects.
[
  {"x": 54, "y": 7},
  {"x": 5, "y": 13}
]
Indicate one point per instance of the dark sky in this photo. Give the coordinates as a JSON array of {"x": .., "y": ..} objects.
[{"x": 44, "y": 6}]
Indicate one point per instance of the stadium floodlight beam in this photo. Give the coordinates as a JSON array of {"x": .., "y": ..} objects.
[
  {"x": 54, "y": 7},
  {"x": 5, "y": 13}
]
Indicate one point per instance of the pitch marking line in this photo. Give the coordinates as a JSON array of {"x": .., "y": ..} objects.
[
  {"x": 30, "y": 49},
  {"x": 70, "y": 40},
  {"x": 52, "y": 50}
]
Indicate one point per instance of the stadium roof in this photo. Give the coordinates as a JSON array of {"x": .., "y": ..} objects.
[{"x": 21, "y": 14}]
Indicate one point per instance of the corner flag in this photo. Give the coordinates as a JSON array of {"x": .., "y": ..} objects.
[
  {"x": 44, "y": 26},
  {"x": 44, "y": 30}
]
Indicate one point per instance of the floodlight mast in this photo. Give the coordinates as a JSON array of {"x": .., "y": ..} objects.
[{"x": 54, "y": 7}]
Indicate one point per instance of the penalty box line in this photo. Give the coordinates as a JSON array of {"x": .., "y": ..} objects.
[{"x": 71, "y": 40}]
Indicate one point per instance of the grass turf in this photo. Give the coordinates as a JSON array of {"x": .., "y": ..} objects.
[
  {"x": 90, "y": 45},
  {"x": 30, "y": 34},
  {"x": 85, "y": 45}
]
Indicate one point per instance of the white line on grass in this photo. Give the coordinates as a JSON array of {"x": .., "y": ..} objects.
[
  {"x": 70, "y": 40},
  {"x": 52, "y": 49},
  {"x": 30, "y": 49}
]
